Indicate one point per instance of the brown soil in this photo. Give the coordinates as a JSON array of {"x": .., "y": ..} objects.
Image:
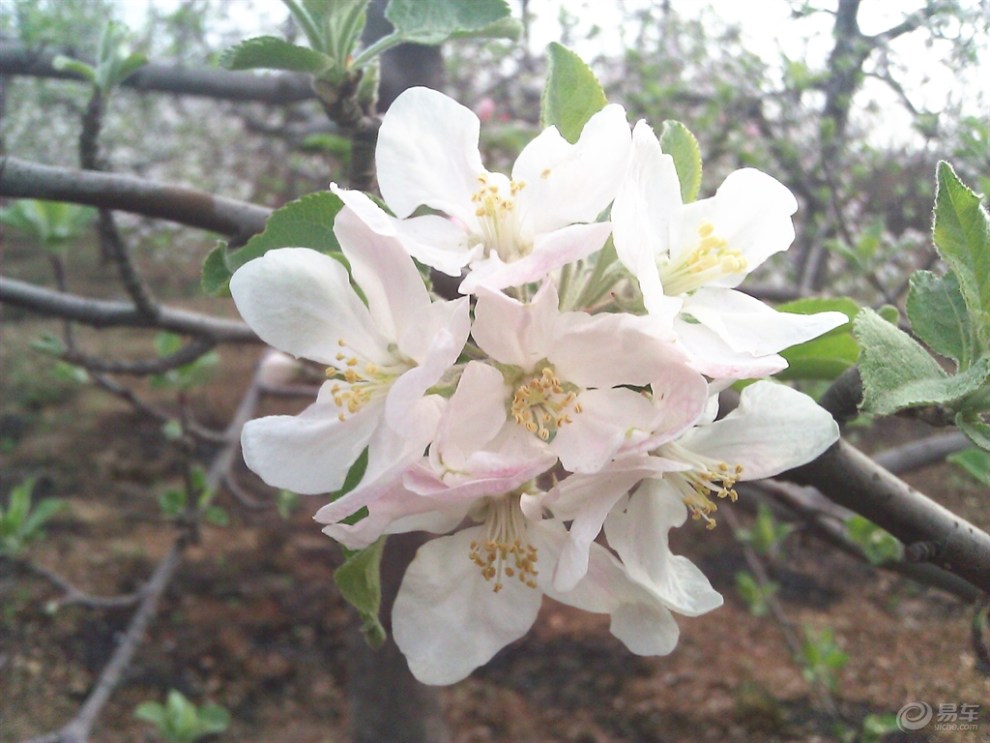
[{"x": 252, "y": 620}]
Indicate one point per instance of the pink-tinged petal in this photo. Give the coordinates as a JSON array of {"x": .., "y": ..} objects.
[
  {"x": 558, "y": 190},
  {"x": 427, "y": 155},
  {"x": 749, "y": 326},
  {"x": 550, "y": 251},
  {"x": 512, "y": 332},
  {"x": 585, "y": 500},
  {"x": 474, "y": 416},
  {"x": 431, "y": 239},
  {"x": 610, "y": 349},
  {"x": 609, "y": 419},
  {"x": 681, "y": 400},
  {"x": 710, "y": 355},
  {"x": 386, "y": 274},
  {"x": 301, "y": 302},
  {"x": 644, "y": 204},
  {"x": 774, "y": 429},
  {"x": 390, "y": 455},
  {"x": 311, "y": 452},
  {"x": 447, "y": 620},
  {"x": 397, "y": 511},
  {"x": 638, "y": 531}
]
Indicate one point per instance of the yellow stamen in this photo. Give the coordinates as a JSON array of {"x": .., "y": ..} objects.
[{"x": 541, "y": 405}]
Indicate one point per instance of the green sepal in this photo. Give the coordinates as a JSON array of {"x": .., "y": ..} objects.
[
  {"x": 677, "y": 141},
  {"x": 572, "y": 93},
  {"x": 359, "y": 581},
  {"x": 215, "y": 280}
]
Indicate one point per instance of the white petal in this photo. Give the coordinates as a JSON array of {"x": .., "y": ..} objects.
[
  {"x": 638, "y": 533},
  {"x": 431, "y": 239},
  {"x": 447, "y": 620},
  {"x": 609, "y": 419},
  {"x": 427, "y": 154},
  {"x": 609, "y": 349},
  {"x": 386, "y": 274},
  {"x": 311, "y": 452},
  {"x": 711, "y": 355},
  {"x": 640, "y": 216},
  {"x": 645, "y": 628},
  {"x": 747, "y": 325},
  {"x": 558, "y": 188},
  {"x": 774, "y": 429},
  {"x": 512, "y": 332},
  {"x": 301, "y": 302},
  {"x": 550, "y": 251}
]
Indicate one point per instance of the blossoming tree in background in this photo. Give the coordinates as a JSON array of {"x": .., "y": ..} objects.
[{"x": 545, "y": 371}]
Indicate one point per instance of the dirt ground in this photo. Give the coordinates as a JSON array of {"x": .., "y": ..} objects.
[{"x": 252, "y": 620}]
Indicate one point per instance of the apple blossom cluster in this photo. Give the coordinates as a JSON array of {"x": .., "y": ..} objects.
[{"x": 554, "y": 422}]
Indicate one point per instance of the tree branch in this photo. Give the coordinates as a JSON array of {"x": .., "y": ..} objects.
[
  {"x": 18, "y": 59},
  {"x": 851, "y": 479},
  {"x": 101, "y": 313},
  {"x": 22, "y": 179}
]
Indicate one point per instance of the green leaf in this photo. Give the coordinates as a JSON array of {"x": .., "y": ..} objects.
[
  {"x": 878, "y": 546},
  {"x": 19, "y": 505},
  {"x": 273, "y": 53},
  {"x": 216, "y": 516},
  {"x": 213, "y": 719},
  {"x": 215, "y": 280},
  {"x": 899, "y": 373},
  {"x": 977, "y": 431},
  {"x": 359, "y": 581},
  {"x": 828, "y": 355},
  {"x": 152, "y": 712},
  {"x": 677, "y": 141},
  {"x": 962, "y": 236},
  {"x": 938, "y": 315},
  {"x": 40, "y": 515},
  {"x": 435, "y": 21},
  {"x": 572, "y": 93},
  {"x": 976, "y": 462},
  {"x": 85, "y": 71},
  {"x": 304, "y": 223},
  {"x": 172, "y": 501}
]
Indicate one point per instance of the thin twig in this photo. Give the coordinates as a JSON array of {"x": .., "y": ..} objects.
[
  {"x": 195, "y": 349},
  {"x": 74, "y": 595}
]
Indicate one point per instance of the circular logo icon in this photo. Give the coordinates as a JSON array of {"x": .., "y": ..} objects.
[{"x": 914, "y": 716}]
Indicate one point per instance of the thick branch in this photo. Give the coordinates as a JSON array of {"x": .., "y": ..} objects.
[
  {"x": 17, "y": 59},
  {"x": 101, "y": 313},
  {"x": 27, "y": 180},
  {"x": 851, "y": 479}
]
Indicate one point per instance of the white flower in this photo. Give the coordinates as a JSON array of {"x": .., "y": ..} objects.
[
  {"x": 511, "y": 230},
  {"x": 689, "y": 257},
  {"x": 566, "y": 370},
  {"x": 381, "y": 358}
]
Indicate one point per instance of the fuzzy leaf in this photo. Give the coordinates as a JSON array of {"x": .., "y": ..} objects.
[
  {"x": 572, "y": 93},
  {"x": 977, "y": 431},
  {"x": 938, "y": 315},
  {"x": 273, "y": 53},
  {"x": 828, "y": 355},
  {"x": 962, "y": 236},
  {"x": 359, "y": 581},
  {"x": 899, "y": 373},
  {"x": 304, "y": 223},
  {"x": 435, "y": 21},
  {"x": 677, "y": 141}
]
